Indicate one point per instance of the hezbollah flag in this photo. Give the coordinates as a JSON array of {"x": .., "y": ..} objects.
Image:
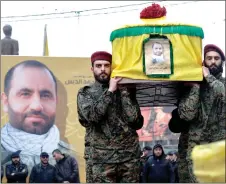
[
  {"x": 157, "y": 49},
  {"x": 45, "y": 45}
]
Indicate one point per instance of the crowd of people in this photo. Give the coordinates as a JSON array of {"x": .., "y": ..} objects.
[
  {"x": 111, "y": 115},
  {"x": 65, "y": 170}
]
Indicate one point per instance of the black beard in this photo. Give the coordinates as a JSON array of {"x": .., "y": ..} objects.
[
  {"x": 16, "y": 162},
  {"x": 215, "y": 70},
  {"x": 44, "y": 163},
  {"x": 102, "y": 80}
]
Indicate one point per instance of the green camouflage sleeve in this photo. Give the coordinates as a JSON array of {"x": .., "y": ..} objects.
[
  {"x": 221, "y": 111},
  {"x": 189, "y": 104},
  {"x": 131, "y": 110},
  {"x": 221, "y": 118},
  {"x": 82, "y": 120},
  {"x": 216, "y": 85},
  {"x": 90, "y": 109}
]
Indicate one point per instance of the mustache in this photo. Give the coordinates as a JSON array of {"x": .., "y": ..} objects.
[
  {"x": 213, "y": 65},
  {"x": 36, "y": 113},
  {"x": 103, "y": 73}
]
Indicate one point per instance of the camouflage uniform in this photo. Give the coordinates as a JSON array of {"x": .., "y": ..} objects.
[
  {"x": 89, "y": 172},
  {"x": 87, "y": 156},
  {"x": 182, "y": 162},
  {"x": 204, "y": 106},
  {"x": 113, "y": 119}
]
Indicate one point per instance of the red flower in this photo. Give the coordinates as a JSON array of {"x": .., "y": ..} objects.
[{"x": 153, "y": 11}]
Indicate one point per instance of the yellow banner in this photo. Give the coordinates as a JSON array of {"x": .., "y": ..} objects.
[
  {"x": 71, "y": 74},
  {"x": 209, "y": 162}
]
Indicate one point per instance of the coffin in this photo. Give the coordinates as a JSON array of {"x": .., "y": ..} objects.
[{"x": 157, "y": 55}]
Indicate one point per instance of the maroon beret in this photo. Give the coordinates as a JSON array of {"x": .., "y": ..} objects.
[
  {"x": 212, "y": 47},
  {"x": 101, "y": 55}
]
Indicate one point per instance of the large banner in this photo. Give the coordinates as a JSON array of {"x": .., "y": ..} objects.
[
  {"x": 66, "y": 133},
  {"x": 155, "y": 129}
]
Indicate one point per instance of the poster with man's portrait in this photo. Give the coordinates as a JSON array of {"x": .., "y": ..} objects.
[
  {"x": 155, "y": 129},
  {"x": 39, "y": 108},
  {"x": 157, "y": 58}
]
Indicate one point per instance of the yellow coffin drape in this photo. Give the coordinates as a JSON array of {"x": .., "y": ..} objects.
[
  {"x": 209, "y": 162},
  {"x": 127, "y": 51}
]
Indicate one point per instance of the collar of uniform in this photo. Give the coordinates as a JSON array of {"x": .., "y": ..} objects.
[{"x": 98, "y": 84}]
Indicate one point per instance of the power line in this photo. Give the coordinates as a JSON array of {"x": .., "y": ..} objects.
[
  {"x": 80, "y": 11},
  {"x": 72, "y": 16},
  {"x": 84, "y": 15}
]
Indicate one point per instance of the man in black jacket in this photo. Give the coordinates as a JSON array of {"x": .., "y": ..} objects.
[
  {"x": 66, "y": 168},
  {"x": 157, "y": 169},
  {"x": 43, "y": 172},
  {"x": 147, "y": 153},
  {"x": 16, "y": 172},
  {"x": 173, "y": 156}
]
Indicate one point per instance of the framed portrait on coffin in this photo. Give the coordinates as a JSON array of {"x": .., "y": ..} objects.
[{"x": 157, "y": 57}]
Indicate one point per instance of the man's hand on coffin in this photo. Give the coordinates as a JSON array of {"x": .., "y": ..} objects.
[
  {"x": 113, "y": 85},
  {"x": 205, "y": 71}
]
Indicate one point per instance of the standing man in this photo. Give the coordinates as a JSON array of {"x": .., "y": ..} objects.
[
  {"x": 43, "y": 172},
  {"x": 113, "y": 114},
  {"x": 173, "y": 158},
  {"x": 158, "y": 169},
  {"x": 200, "y": 116},
  {"x": 147, "y": 153},
  {"x": 9, "y": 46},
  {"x": 66, "y": 168},
  {"x": 16, "y": 172}
]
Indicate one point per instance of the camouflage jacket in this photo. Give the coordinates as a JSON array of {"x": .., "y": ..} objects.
[
  {"x": 204, "y": 107},
  {"x": 88, "y": 140},
  {"x": 113, "y": 119}
]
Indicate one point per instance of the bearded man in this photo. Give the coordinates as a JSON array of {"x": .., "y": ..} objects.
[
  {"x": 111, "y": 115},
  {"x": 200, "y": 116}
]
